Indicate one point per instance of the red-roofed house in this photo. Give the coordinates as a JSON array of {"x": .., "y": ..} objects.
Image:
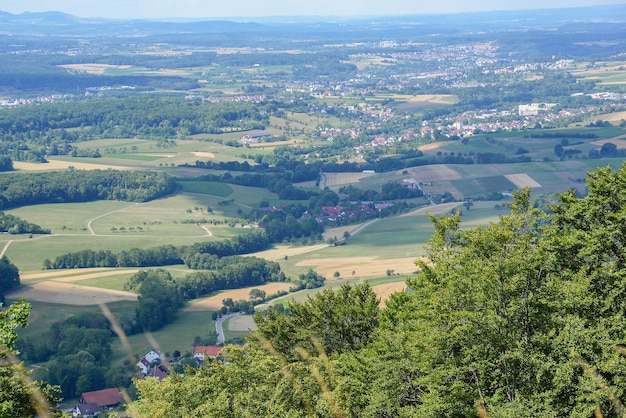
[
  {"x": 203, "y": 351},
  {"x": 160, "y": 372},
  {"x": 105, "y": 398}
]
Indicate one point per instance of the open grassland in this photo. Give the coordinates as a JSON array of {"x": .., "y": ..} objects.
[
  {"x": 207, "y": 187},
  {"x": 68, "y": 217},
  {"x": 180, "y": 219}
]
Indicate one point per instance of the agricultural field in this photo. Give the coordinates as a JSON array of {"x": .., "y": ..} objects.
[
  {"x": 383, "y": 253},
  {"x": 388, "y": 244},
  {"x": 180, "y": 219},
  {"x": 214, "y": 303},
  {"x": 609, "y": 74}
]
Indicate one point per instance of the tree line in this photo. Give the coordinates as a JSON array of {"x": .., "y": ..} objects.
[
  {"x": 162, "y": 255},
  {"x": 23, "y": 189}
]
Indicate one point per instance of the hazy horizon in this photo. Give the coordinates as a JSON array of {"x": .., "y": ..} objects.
[{"x": 161, "y": 9}]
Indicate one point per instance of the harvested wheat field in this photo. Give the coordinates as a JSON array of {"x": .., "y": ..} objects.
[
  {"x": 614, "y": 117},
  {"x": 70, "y": 294},
  {"x": 361, "y": 266},
  {"x": 63, "y": 165},
  {"x": 522, "y": 180},
  {"x": 434, "y": 209},
  {"x": 204, "y": 154},
  {"x": 60, "y": 273},
  {"x": 214, "y": 303},
  {"x": 434, "y": 98},
  {"x": 242, "y": 323},
  {"x": 94, "y": 68},
  {"x": 383, "y": 291},
  {"x": 619, "y": 142}
]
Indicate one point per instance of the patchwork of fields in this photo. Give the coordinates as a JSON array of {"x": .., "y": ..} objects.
[{"x": 384, "y": 249}]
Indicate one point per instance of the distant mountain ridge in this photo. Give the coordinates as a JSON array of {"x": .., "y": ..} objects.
[{"x": 60, "y": 23}]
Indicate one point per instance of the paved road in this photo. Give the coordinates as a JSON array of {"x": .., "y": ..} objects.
[{"x": 220, "y": 329}]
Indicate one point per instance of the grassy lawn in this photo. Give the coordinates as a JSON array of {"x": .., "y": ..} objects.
[
  {"x": 176, "y": 336},
  {"x": 207, "y": 187},
  {"x": 68, "y": 217}
]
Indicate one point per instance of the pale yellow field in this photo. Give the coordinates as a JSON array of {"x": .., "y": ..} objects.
[
  {"x": 614, "y": 117},
  {"x": 61, "y": 287},
  {"x": 383, "y": 291},
  {"x": 434, "y": 209},
  {"x": 620, "y": 142},
  {"x": 54, "y": 291},
  {"x": 242, "y": 323},
  {"x": 58, "y": 273},
  {"x": 362, "y": 266},
  {"x": 431, "y": 146},
  {"x": 434, "y": 98},
  {"x": 204, "y": 154},
  {"x": 93, "y": 68},
  {"x": 214, "y": 303},
  {"x": 63, "y": 165},
  {"x": 522, "y": 180},
  {"x": 340, "y": 179}
]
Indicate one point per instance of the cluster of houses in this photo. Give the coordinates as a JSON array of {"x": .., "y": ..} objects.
[
  {"x": 340, "y": 213},
  {"x": 91, "y": 404}
]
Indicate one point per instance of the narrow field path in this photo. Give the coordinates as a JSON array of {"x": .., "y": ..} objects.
[
  {"x": 103, "y": 215},
  {"x": 5, "y": 248}
]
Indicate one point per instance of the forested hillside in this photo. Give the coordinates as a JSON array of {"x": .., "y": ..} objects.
[{"x": 523, "y": 317}]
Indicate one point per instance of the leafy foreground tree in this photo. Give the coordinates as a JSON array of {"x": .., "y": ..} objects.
[
  {"x": 523, "y": 317},
  {"x": 19, "y": 395}
]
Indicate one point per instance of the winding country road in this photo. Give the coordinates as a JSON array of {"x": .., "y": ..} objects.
[{"x": 219, "y": 328}]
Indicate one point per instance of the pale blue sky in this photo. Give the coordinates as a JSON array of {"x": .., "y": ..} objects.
[{"x": 249, "y": 8}]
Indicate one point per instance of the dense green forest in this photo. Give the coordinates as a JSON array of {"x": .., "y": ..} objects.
[
  {"x": 523, "y": 317},
  {"x": 23, "y": 189}
]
